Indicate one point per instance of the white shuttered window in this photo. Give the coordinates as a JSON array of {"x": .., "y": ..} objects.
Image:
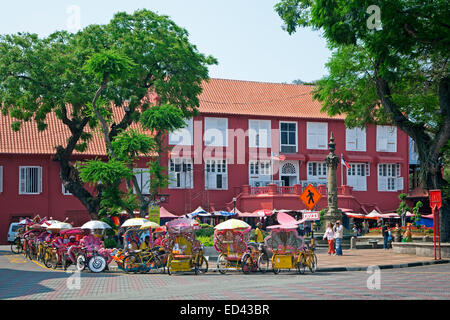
[
  {"x": 181, "y": 174},
  {"x": 356, "y": 176},
  {"x": 259, "y": 133},
  {"x": 143, "y": 179},
  {"x": 389, "y": 177},
  {"x": 386, "y": 139},
  {"x": 355, "y": 139},
  {"x": 317, "y": 135},
  {"x": 184, "y": 136},
  {"x": 30, "y": 180},
  {"x": 216, "y": 174},
  {"x": 216, "y": 132}
]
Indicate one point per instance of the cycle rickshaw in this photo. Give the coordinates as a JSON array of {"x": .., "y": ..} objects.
[
  {"x": 185, "y": 251},
  {"x": 287, "y": 247},
  {"x": 236, "y": 252}
]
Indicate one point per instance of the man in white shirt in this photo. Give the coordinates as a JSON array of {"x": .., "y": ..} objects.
[{"x": 338, "y": 235}]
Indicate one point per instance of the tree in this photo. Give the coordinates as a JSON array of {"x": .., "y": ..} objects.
[
  {"x": 393, "y": 72},
  {"x": 101, "y": 77}
]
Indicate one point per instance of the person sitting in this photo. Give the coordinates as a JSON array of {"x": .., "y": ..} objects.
[{"x": 145, "y": 245}]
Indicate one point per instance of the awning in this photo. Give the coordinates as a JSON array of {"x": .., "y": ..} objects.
[
  {"x": 358, "y": 158},
  {"x": 248, "y": 215},
  {"x": 317, "y": 157},
  {"x": 391, "y": 159},
  {"x": 163, "y": 213},
  {"x": 293, "y": 156}
]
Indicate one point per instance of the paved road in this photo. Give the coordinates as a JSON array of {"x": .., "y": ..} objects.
[{"x": 22, "y": 279}]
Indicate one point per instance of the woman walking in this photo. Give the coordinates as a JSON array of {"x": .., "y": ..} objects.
[{"x": 329, "y": 234}]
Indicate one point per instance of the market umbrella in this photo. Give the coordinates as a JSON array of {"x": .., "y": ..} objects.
[
  {"x": 160, "y": 229},
  {"x": 182, "y": 224},
  {"x": 60, "y": 225},
  {"x": 134, "y": 222},
  {"x": 150, "y": 225},
  {"x": 232, "y": 224},
  {"x": 95, "y": 224}
]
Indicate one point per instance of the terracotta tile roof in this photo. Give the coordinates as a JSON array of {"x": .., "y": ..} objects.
[
  {"x": 236, "y": 97},
  {"x": 220, "y": 96}
]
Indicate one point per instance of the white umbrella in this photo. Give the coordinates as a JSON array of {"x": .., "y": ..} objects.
[
  {"x": 150, "y": 224},
  {"x": 60, "y": 225},
  {"x": 134, "y": 222},
  {"x": 48, "y": 223},
  {"x": 96, "y": 224}
]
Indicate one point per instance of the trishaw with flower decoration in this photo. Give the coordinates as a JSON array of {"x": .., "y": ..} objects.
[{"x": 185, "y": 251}]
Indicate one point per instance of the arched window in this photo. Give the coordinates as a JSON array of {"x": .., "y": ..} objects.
[{"x": 288, "y": 169}]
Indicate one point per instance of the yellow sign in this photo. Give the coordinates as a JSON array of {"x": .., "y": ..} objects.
[
  {"x": 153, "y": 214},
  {"x": 310, "y": 196}
]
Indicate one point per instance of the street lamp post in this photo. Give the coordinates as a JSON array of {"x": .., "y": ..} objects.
[{"x": 234, "y": 205}]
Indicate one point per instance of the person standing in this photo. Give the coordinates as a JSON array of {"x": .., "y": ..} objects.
[
  {"x": 258, "y": 233},
  {"x": 338, "y": 235},
  {"x": 329, "y": 234},
  {"x": 385, "y": 234}
]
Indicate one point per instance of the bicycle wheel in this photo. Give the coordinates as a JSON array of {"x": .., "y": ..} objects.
[
  {"x": 16, "y": 246},
  {"x": 222, "y": 264},
  {"x": 247, "y": 264},
  {"x": 81, "y": 262},
  {"x": 169, "y": 265},
  {"x": 313, "y": 263},
  {"x": 132, "y": 263},
  {"x": 97, "y": 263},
  {"x": 201, "y": 264},
  {"x": 263, "y": 263},
  {"x": 301, "y": 265},
  {"x": 54, "y": 260}
]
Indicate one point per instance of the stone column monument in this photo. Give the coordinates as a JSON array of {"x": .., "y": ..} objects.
[{"x": 333, "y": 213}]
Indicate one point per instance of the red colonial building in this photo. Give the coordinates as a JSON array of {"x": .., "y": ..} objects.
[{"x": 254, "y": 145}]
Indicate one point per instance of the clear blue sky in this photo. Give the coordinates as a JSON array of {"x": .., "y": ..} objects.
[{"x": 244, "y": 35}]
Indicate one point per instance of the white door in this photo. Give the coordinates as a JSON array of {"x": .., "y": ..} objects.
[{"x": 289, "y": 172}]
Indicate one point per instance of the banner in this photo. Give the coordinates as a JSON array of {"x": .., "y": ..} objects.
[{"x": 153, "y": 214}]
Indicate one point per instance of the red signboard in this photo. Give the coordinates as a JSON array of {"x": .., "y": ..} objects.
[{"x": 435, "y": 198}]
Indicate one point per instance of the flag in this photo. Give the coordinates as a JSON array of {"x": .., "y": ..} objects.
[{"x": 345, "y": 163}]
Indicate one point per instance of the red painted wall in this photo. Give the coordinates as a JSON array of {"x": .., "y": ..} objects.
[{"x": 53, "y": 203}]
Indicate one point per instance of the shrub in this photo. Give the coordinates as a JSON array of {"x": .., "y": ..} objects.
[
  {"x": 110, "y": 243},
  {"x": 205, "y": 231},
  {"x": 206, "y": 241}
]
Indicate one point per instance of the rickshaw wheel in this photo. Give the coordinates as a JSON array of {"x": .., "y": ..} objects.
[
  {"x": 16, "y": 246},
  {"x": 222, "y": 263},
  {"x": 275, "y": 270},
  {"x": 169, "y": 265},
  {"x": 54, "y": 261},
  {"x": 202, "y": 264},
  {"x": 97, "y": 263},
  {"x": 246, "y": 263},
  {"x": 81, "y": 262},
  {"x": 313, "y": 263},
  {"x": 301, "y": 265},
  {"x": 263, "y": 263}
]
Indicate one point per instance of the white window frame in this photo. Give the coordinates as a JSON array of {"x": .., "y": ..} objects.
[
  {"x": 315, "y": 141},
  {"x": 386, "y": 139},
  {"x": 355, "y": 139},
  {"x": 389, "y": 177},
  {"x": 24, "y": 183},
  {"x": 213, "y": 168},
  {"x": 183, "y": 136},
  {"x": 140, "y": 174},
  {"x": 358, "y": 170},
  {"x": 181, "y": 173},
  {"x": 260, "y": 168},
  {"x": 255, "y": 132},
  {"x": 212, "y": 131},
  {"x": 321, "y": 166},
  {"x": 296, "y": 135}
]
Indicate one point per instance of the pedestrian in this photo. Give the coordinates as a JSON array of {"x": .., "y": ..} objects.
[
  {"x": 258, "y": 234},
  {"x": 338, "y": 235},
  {"x": 329, "y": 234},
  {"x": 385, "y": 234},
  {"x": 389, "y": 239}
]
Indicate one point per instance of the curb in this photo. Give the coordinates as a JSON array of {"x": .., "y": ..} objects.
[{"x": 384, "y": 266}]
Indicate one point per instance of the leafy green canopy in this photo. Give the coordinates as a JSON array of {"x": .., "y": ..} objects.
[{"x": 101, "y": 75}]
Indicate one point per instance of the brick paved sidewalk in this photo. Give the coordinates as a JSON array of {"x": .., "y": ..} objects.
[{"x": 363, "y": 258}]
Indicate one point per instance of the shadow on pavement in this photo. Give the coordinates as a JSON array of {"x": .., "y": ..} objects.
[{"x": 20, "y": 283}]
